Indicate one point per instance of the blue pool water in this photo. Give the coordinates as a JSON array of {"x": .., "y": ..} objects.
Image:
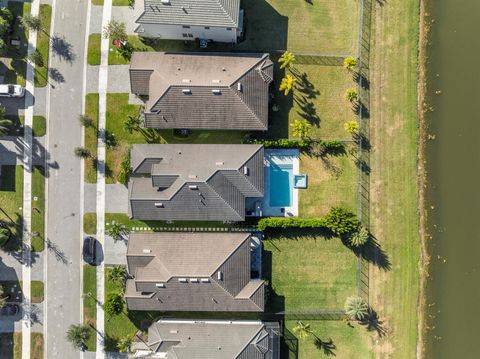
[{"x": 281, "y": 184}]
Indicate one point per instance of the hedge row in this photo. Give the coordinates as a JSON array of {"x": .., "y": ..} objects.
[
  {"x": 339, "y": 221},
  {"x": 304, "y": 144}
]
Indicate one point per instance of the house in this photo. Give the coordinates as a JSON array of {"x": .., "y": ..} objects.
[
  {"x": 203, "y": 90},
  {"x": 216, "y": 20},
  {"x": 220, "y": 339},
  {"x": 175, "y": 182},
  {"x": 177, "y": 271}
]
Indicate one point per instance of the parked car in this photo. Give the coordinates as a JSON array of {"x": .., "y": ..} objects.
[
  {"x": 9, "y": 310},
  {"x": 12, "y": 91},
  {"x": 89, "y": 246}
]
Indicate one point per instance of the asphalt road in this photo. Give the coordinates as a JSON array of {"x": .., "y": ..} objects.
[{"x": 63, "y": 213}]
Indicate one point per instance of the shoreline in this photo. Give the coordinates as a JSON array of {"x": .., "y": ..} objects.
[{"x": 422, "y": 109}]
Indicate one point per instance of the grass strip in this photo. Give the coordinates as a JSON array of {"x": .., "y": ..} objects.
[
  {"x": 89, "y": 303},
  {"x": 90, "y": 223},
  {"x": 43, "y": 45},
  {"x": 38, "y": 209},
  {"x": 91, "y": 110},
  {"x": 93, "y": 55}
]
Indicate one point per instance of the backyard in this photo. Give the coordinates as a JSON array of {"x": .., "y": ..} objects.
[{"x": 11, "y": 197}]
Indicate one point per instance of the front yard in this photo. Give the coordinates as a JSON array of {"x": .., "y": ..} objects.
[{"x": 11, "y": 197}]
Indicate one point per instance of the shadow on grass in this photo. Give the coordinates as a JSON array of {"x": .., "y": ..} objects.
[
  {"x": 373, "y": 323},
  {"x": 288, "y": 345},
  {"x": 328, "y": 347},
  {"x": 372, "y": 253}
]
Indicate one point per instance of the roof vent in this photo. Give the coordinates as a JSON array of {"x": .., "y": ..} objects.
[
  {"x": 192, "y": 176},
  {"x": 182, "y": 280},
  {"x": 245, "y": 170},
  {"x": 159, "y": 205},
  {"x": 224, "y": 69},
  {"x": 173, "y": 331},
  {"x": 219, "y": 275},
  {"x": 239, "y": 86},
  {"x": 160, "y": 285},
  {"x": 187, "y": 91},
  {"x": 165, "y": 1},
  {"x": 219, "y": 163},
  {"x": 193, "y": 280},
  {"x": 205, "y": 280},
  {"x": 186, "y": 81},
  {"x": 216, "y": 81},
  {"x": 216, "y": 91},
  {"x": 193, "y": 187},
  {"x": 146, "y": 251}
]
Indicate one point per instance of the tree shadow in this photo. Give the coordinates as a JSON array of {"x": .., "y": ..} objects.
[
  {"x": 360, "y": 109},
  {"x": 288, "y": 345},
  {"x": 62, "y": 48},
  {"x": 371, "y": 252},
  {"x": 308, "y": 110},
  {"x": 304, "y": 85},
  {"x": 58, "y": 253},
  {"x": 361, "y": 80},
  {"x": 328, "y": 347},
  {"x": 274, "y": 303},
  {"x": 280, "y": 106},
  {"x": 56, "y": 75},
  {"x": 373, "y": 323}
]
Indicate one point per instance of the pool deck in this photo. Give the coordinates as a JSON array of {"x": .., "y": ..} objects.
[{"x": 287, "y": 156}]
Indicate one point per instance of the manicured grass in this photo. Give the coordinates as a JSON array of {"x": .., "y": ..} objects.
[
  {"x": 349, "y": 342},
  {"x": 11, "y": 198},
  {"x": 38, "y": 209},
  {"x": 89, "y": 304},
  {"x": 308, "y": 271},
  {"x": 93, "y": 56},
  {"x": 39, "y": 127},
  {"x": 11, "y": 345},
  {"x": 90, "y": 223},
  {"x": 394, "y": 178},
  {"x": 97, "y": 2},
  {"x": 16, "y": 71},
  {"x": 91, "y": 110},
  {"x": 121, "y": 2},
  {"x": 332, "y": 181},
  {"x": 37, "y": 291},
  {"x": 319, "y": 97},
  {"x": 43, "y": 45},
  {"x": 36, "y": 346}
]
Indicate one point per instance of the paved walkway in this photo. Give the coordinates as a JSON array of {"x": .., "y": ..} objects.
[
  {"x": 116, "y": 198},
  {"x": 115, "y": 251},
  {"x": 126, "y": 15}
]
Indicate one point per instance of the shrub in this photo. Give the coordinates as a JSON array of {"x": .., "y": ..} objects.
[
  {"x": 360, "y": 237},
  {"x": 113, "y": 304},
  {"x": 125, "y": 169},
  {"x": 301, "y": 128},
  {"x": 356, "y": 308},
  {"x": 305, "y": 144},
  {"x": 86, "y": 121},
  {"x": 341, "y": 221}
]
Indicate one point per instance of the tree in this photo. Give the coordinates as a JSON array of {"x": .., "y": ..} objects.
[
  {"x": 117, "y": 230},
  {"x": 4, "y": 236},
  {"x": 302, "y": 330},
  {"x": 356, "y": 308},
  {"x": 113, "y": 304},
  {"x": 351, "y": 95},
  {"x": 82, "y": 152},
  {"x": 287, "y": 84},
  {"x": 116, "y": 30},
  {"x": 124, "y": 344},
  {"x": 37, "y": 58},
  {"x": 360, "y": 237},
  {"x": 117, "y": 275},
  {"x": 6, "y": 14},
  {"x": 3, "y": 26},
  {"x": 287, "y": 59},
  {"x": 131, "y": 124},
  {"x": 126, "y": 51},
  {"x": 351, "y": 127},
  {"x": 125, "y": 169},
  {"x": 350, "y": 63},
  {"x": 3, "y": 300},
  {"x": 86, "y": 121},
  {"x": 301, "y": 128},
  {"x": 31, "y": 22},
  {"x": 341, "y": 221},
  {"x": 5, "y": 125},
  {"x": 78, "y": 335}
]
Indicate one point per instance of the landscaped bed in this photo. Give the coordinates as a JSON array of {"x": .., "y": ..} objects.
[
  {"x": 308, "y": 271},
  {"x": 11, "y": 199}
]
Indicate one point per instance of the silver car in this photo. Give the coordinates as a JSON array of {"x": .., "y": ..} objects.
[{"x": 12, "y": 91}]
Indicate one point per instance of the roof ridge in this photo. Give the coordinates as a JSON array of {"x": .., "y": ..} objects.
[
  {"x": 219, "y": 2},
  {"x": 250, "y": 342},
  {"x": 218, "y": 194}
]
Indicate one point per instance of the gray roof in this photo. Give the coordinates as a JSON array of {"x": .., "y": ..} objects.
[
  {"x": 215, "y": 339},
  {"x": 224, "y": 13},
  {"x": 194, "y": 182},
  {"x": 203, "y": 90},
  {"x": 180, "y": 272}
]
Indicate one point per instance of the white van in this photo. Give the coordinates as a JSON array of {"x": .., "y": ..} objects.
[{"x": 12, "y": 91}]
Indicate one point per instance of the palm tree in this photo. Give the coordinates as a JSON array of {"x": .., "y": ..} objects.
[
  {"x": 86, "y": 121},
  {"x": 78, "y": 334},
  {"x": 116, "y": 30},
  {"x": 5, "y": 123},
  {"x": 124, "y": 344},
  {"x": 351, "y": 95},
  {"x": 116, "y": 230},
  {"x": 36, "y": 58},
  {"x": 82, "y": 152},
  {"x": 4, "y": 236},
  {"x": 302, "y": 330},
  {"x": 131, "y": 124},
  {"x": 287, "y": 84},
  {"x": 286, "y": 60},
  {"x": 351, "y": 127},
  {"x": 3, "y": 300},
  {"x": 356, "y": 308},
  {"x": 300, "y": 128},
  {"x": 117, "y": 274},
  {"x": 350, "y": 63},
  {"x": 359, "y": 237},
  {"x": 31, "y": 22}
]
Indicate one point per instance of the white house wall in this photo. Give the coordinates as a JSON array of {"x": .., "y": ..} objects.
[{"x": 175, "y": 32}]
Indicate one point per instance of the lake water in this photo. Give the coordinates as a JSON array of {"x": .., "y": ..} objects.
[{"x": 454, "y": 176}]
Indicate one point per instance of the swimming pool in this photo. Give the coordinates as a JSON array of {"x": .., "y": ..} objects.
[{"x": 281, "y": 184}]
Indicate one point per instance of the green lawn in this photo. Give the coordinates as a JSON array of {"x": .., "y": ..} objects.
[
  {"x": 319, "y": 97},
  {"x": 38, "y": 209},
  {"x": 93, "y": 56},
  {"x": 14, "y": 57},
  {"x": 121, "y": 2},
  {"x": 308, "y": 272},
  {"x": 11, "y": 345},
  {"x": 332, "y": 181},
  {"x": 89, "y": 303},
  {"x": 36, "y": 346},
  {"x": 39, "y": 126},
  {"x": 348, "y": 342},
  {"x": 11, "y": 202},
  {"x": 37, "y": 291},
  {"x": 43, "y": 45},
  {"x": 90, "y": 223},
  {"x": 97, "y": 2},
  {"x": 91, "y": 110}
]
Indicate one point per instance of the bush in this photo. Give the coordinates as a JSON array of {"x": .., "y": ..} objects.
[
  {"x": 125, "y": 169},
  {"x": 113, "y": 304},
  {"x": 360, "y": 237},
  {"x": 305, "y": 144},
  {"x": 341, "y": 221}
]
